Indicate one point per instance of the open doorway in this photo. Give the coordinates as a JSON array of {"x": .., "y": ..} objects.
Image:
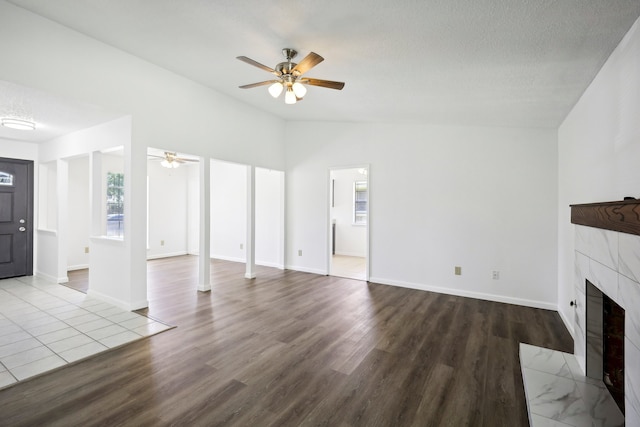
[
  {"x": 349, "y": 222},
  {"x": 79, "y": 214}
]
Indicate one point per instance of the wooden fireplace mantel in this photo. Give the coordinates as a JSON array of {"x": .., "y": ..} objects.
[{"x": 622, "y": 216}]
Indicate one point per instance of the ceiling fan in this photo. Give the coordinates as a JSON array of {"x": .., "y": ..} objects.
[
  {"x": 171, "y": 160},
  {"x": 289, "y": 76}
]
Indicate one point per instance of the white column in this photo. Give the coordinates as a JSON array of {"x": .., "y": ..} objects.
[
  {"x": 135, "y": 226},
  {"x": 250, "y": 272},
  {"x": 62, "y": 214},
  {"x": 204, "y": 246},
  {"x": 282, "y": 253},
  {"x": 96, "y": 194}
]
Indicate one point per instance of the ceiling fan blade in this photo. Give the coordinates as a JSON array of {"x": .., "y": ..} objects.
[
  {"x": 259, "y": 65},
  {"x": 307, "y": 63},
  {"x": 249, "y": 86},
  {"x": 323, "y": 83}
]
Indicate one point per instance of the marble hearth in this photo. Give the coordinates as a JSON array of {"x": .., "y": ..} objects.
[
  {"x": 559, "y": 394},
  {"x": 607, "y": 254}
]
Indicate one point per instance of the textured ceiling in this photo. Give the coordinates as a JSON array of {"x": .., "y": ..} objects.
[
  {"x": 54, "y": 116},
  {"x": 476, "y": 62}
]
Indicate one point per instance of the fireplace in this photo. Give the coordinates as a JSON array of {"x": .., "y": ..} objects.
[
  {"x": 607, "y": 299},
  {"x": 605, "y": 342}
]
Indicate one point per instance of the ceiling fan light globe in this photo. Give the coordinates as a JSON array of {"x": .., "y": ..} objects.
[
  {"x": 169, "y": 164},
  {"x": 299, "y": 90},
  {"x": 290, "y": 97},
  {"x": 275, "y": 89}
]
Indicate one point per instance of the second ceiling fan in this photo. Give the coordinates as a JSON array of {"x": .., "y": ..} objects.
[{"x": 289, "y": 76}]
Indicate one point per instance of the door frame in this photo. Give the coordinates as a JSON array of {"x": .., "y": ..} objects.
[
  {"x": 30, "y": 210},
  {"x": 329, "y": 230}
]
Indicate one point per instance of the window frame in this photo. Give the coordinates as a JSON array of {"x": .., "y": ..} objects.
[
  {"x": 360, "y": 216},
  {"x": 5, "y": 175},
  {"x": 114, "y": 190}
]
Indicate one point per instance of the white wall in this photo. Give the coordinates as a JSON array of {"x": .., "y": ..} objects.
[
  {"x": 269, "y": 218},
  {"x": 228, "y": 213},
  {"x": 47, "y": 244},
  {"x": 167, "y": 210},
  {"x": 167, "y": 111},
  {"x": 193, "y": 208},
  {"x": 599, "y": 150},
  {"x": 47, "y": 196},
  {"x": 58, "y": 154},
  {"x": 74, "y": 148},
  {"x": 351, "y": 239},
  {"x": 480, "y": 198},
  {"x": 228, "y": 210},
  {"x": 79, "y": 213},
  {"x": 18, "y": 149}
]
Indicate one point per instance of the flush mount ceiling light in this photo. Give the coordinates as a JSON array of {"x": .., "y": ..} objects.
[
  {"x": 20, "y": 124},
  {"x": 289, "y": 76}
]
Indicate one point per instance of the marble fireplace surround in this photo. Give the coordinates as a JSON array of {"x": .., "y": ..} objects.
[{"x": 610, "y": 260}]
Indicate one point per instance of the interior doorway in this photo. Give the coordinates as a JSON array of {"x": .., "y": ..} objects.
[{"x": 349, "y": 214}]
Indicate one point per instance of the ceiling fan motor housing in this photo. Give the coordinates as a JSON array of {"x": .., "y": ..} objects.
[
  {"x": 286, "y": 69},
  {"x": 289, "y": 53}
]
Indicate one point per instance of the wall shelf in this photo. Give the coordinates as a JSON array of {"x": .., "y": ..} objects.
[{"x": 622, "y": 216}]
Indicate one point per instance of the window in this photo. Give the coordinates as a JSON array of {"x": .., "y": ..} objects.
[
  {"x": 6, "y": 178},
  {"x": 360, "y": 202},
  {"x": 115, "y": 204}
]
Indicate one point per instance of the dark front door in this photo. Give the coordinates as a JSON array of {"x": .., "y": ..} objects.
[{"x": 16, "y": 218}]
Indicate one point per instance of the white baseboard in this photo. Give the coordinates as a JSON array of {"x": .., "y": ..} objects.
[
  {"x": 350, "y": 254},
  {"x": 50, "y": 278},
  {"x": 270, "y": 264},
  {"x": 242, "y": 260},
  {"x": 228, "y": 258},
  {"x": 136, "y": 305},
  {"x": 77, "y": 267},
  {"x": 204, "y": 288},
  {"x": 306, "y": 270},
  {"x": 166, "y": 255},
  {"x": 567, "y": 323},
  {"x": 46, "y": 277},
  {"x": 469, "y": 294}
]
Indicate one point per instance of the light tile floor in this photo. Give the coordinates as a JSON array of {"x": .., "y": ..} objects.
[
  {"x": 351, "y": 267},
  {"x": 560, "y": 395},
  {"x": 44, "y": 325}
]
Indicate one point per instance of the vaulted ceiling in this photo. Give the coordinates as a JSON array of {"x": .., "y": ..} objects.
[{"x": 473, "y": 62}]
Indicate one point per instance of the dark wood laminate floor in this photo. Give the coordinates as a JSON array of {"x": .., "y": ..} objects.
[{"x": 291, "y": 348}]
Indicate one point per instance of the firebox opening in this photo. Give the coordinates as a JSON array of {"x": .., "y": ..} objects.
[
  {"x": 613, "y": 340},
  {"x": 605, "y": 342}
]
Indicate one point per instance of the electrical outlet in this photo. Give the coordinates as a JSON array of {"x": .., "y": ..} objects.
[
  {"x": 495, "y": 275},
  {"x": 458, "y": 270},
  {"x": 241, "y": 246},
  {"x": 299, "y": 252},
  {"x": 86, "y": 249},
  {"x": 161, "y": 242}
]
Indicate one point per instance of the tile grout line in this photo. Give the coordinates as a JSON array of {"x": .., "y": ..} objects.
[{"x": 22, "y": 298}]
